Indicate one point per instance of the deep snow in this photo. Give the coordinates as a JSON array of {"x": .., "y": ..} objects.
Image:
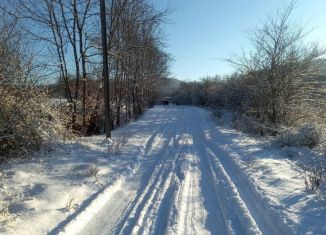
[{"x": 177, "y": 174}]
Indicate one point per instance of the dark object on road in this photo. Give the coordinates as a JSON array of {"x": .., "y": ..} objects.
[{"x": 166, "y": 100}]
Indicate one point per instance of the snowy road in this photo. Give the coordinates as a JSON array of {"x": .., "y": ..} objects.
[{"x": 185, "y": 184}]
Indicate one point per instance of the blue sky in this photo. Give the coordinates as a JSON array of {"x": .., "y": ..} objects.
[{"x": 203, "y": 32}]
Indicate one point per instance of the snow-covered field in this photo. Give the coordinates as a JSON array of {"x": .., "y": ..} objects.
[{"x": 178, "y": 173}]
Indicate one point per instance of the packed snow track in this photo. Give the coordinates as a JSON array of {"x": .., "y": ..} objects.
[{"x": 185, "y": 183}]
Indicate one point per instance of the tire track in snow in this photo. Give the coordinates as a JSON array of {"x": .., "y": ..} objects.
[
  {"x": 110, "y": 216},
  {"x": 167, "y": 211},
  {"x": 236, "y": 183},
  {"x": 247, "y": 196},
  {"x": 196, "y": 208},
  {"x": 188, "y": 204},
  {"x": 163, "y": 216},
  {"x": 234, "y": 209},
  {"x": 237, "y": 218},
  {"x": 151, "y": 217},
  {"x": 153, "y": 193},
  {"x": 188, "y": 185},
  {"x": 217, "y": 221},
  {"x": 146, "y": 206},
  {"x": 181, "y": 218}
]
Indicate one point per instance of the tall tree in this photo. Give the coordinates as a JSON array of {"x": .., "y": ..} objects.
[
  {"x": 105, "y": 70},
  {"x": 275, "y": 68}
]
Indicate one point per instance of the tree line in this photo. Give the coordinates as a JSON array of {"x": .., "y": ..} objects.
[
  {"x": 279, "y": 83},
  {"x": 61, "y": 40}
]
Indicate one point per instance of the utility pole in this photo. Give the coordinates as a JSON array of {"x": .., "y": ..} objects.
[{"x": 105, "y": 71}]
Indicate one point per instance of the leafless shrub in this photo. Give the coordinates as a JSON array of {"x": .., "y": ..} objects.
[
  {"x": 314, "y": 177},
  {"x": 71, "y": 202},
  {"x": 27, "y": 119},
  {"x": 93, "y": 171},
  {"x": 249, "y": 125},
  {"x": 274, "y": 72},
  {"x": 307, "y": 135},
  {"x": 4, "y": 212},
  {"x": 217, "y": 113},
  {"x": 117, "y": 144},
  {"x": 6, "y": 218}
]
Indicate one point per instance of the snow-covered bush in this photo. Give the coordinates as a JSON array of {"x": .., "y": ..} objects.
[
  {"x": 314, "y": 179},
  {"x": 7, "y": 218},
  {"x": 250, "y": 125},
  {"x": 217, "y": 113},
  {"x": 93, "y": 171},
  {"x": 315, "y": 175},
  {"x": 27, "y": 120},
  {"x": 309, "y": 135},
  {"x": 244, "y": 125},
  {"x": 117, "y": 144}
]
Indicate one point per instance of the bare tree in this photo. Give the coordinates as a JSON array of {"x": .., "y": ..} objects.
[
  {"x": 24, "y": 109},
  {"x": 278, "y": 63},
  {"x": 105, "y": 70},
  {"x": 71, "y": 32},
  {"x": 74, "y": 16}
]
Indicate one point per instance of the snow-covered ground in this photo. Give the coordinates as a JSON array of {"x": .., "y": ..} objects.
[{"x": 178, "y": 173}]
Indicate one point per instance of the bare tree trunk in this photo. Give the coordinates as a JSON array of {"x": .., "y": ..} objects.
[
  {"x": 73, "y": 42},
  {"x": 82, "y": 52},
  {"x": 105, "y": 71}
]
